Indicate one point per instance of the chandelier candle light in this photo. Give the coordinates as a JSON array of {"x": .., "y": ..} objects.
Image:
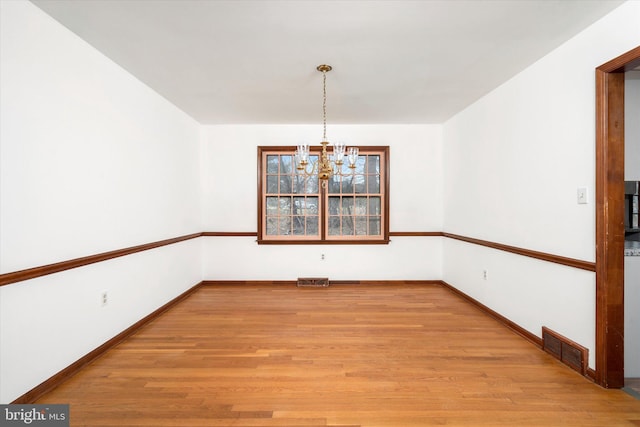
[{"x": 327, "y": 165}]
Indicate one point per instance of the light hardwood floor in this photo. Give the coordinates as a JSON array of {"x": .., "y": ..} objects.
[{"x": 342, "y": 356}]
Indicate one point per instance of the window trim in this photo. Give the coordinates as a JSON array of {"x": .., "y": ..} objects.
[{"x": 323, "y": 238}]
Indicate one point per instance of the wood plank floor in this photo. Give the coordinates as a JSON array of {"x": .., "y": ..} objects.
[{"x": 343, "y": 356}]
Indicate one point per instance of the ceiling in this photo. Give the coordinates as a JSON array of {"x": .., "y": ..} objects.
[{"x": 254, "y": 61}]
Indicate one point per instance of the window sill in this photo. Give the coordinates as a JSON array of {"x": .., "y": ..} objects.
[{"x": 324, "y": 242}]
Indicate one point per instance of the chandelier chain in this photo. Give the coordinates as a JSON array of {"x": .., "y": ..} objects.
[{"x": 324, "y": 105}]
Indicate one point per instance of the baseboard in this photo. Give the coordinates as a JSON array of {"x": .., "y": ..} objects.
[
  {"x": 247, "y": 282},
  {"x": 384, "y": 282},
  {"x": 35, "y": 393},
  {"x": 331, "y": 282},
  {"x": 534, "y": 339}
]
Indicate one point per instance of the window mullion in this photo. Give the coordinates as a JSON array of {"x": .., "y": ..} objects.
[{"x": 323, "y": 211}]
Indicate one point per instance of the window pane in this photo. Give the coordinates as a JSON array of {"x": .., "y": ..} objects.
[
  {"x": 347, "y": 184},
  {"x": 285, "y": 183},
  {"x": 272, "y": 163},
  {"x": 347, "y": 225},
  {"x": 334, "y": 205},
  {"x": 298, "y": 226},
  {"x": 360, "y": 164},
  {"x": 284, "y": 225},
  {"x": 272, "y": 226},
  {"x": 361, "y": 205},
  {"x": 286, "y": 165},
  {"x": 359, "y": 185},
  {"x": 272, "y": 184},
  {"x": 312, "y": 225},
  {"x": 312, "y": 205},
  {"x": 347, "y": 206},
  {"x": 374, "y": 225},
  {"x": 312, "y": 185},
  {"x": 272, "y": 205},
  {"x": 298, "y": 206},
  {"x": 374, "y": 184},
  {"x": 334, "y": 184},
  {"x": 298, "y": 184},
  {"x": 334, "y": 225},
  {"x": 373, "y": 165},
  {"x": 374, "y": 206},
  {"x": 285, "y": 206},
  {"x": 361, "y": 226}
]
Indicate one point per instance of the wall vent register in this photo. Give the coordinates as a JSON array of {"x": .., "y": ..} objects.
[
  {"x": 313, "y": 282},
  {"x": 562, "y": 348}
]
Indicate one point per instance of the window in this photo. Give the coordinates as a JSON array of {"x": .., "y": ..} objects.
[{"x": 351, "y": 207}]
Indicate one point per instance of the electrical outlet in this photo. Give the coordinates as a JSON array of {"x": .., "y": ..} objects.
[
  {"x": 322, "y": 257},
  {"x": 104, "y": 298},
  {"x": 485, "y": 274}
]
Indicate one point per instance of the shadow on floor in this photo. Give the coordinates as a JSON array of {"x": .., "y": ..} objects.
[{"x": 632, "y": 387}]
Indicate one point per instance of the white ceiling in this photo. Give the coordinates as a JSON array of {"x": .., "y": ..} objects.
[{"x": 254, "y": 61}]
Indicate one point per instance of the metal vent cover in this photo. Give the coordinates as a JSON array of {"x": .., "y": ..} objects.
[{"x": 567, "y": 351}]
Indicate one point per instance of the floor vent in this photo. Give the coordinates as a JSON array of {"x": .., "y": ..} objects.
[
  {"x": 570, "y": 353},
  {"x": 313, "y": 282}
]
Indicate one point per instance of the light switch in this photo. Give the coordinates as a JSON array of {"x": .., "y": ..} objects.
[{"x": 582, "y": 195}]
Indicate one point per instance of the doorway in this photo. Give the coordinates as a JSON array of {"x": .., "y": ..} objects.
[{"x": 609, "y": 371}]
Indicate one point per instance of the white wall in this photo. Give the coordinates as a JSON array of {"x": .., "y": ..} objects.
[
  {"x": 91, "y": 161},
  {"x": 632, "y": 264},
  {"x": 230, "y": 204},
  {"x": 632, "y": 126},
  {"x": 632, "y": 317},
  {"x": 513, "y": 163}
]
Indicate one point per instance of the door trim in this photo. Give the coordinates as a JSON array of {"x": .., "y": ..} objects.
[{"x": 610, "y": 218}]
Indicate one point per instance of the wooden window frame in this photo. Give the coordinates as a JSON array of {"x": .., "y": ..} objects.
[{"x": 323, "y": 208}]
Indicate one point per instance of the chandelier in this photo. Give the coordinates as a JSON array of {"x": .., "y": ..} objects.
[{"x": 327, "y": 165}]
